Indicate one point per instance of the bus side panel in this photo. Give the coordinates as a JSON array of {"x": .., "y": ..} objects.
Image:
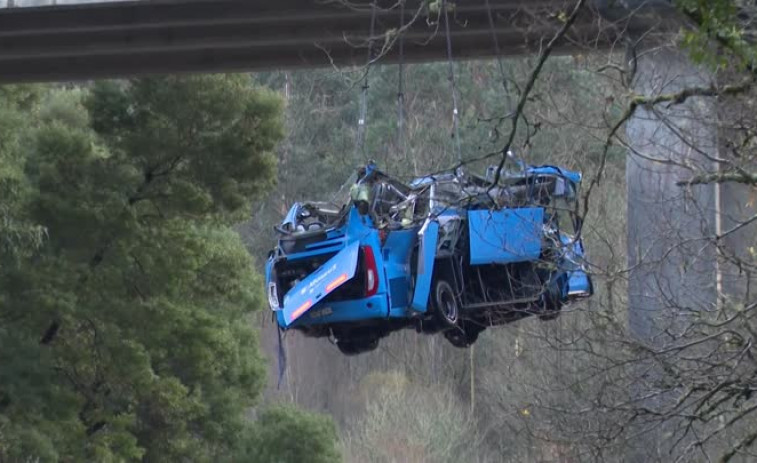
[
  {"x": 429, "y": 235},
  {"x": 505, "y": 236}
]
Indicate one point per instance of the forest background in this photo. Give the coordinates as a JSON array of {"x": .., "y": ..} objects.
[{"x": 126, "y": 270}]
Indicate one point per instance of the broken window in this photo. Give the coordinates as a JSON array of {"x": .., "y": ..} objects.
[{"x": 446, "y": 194}]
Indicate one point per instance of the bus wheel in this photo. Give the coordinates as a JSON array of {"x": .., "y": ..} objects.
[
  {"x": 457, "y": 338},
  {"x": 357, "y": 346},
  {"x": 446, "y": 306},
  {"x": 464, "y": 336}
]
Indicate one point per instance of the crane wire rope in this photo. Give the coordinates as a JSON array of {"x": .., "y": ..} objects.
[
  {"x": 281, "y": 345},
  {"x": 508, "y": 110},
  {"x": 401, "y": 87},
  {"x": 501, "y": 67},
  {"x": 498, "y": 54},
  {"x": 360, "y": 145},
  {"x": 451, "y": 77},
  {"x": 458, "y": 152}
]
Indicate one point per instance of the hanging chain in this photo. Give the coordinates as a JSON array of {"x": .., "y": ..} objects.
[
  {"x": 401, "y": 86},
  {"x": 455, "y": 116},
  {"x": 360, "y": 146}
]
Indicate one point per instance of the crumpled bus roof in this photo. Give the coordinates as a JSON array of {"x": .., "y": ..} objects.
[
  {"x": 525, "y": 171},
  {"x": 574, "y": 177}
]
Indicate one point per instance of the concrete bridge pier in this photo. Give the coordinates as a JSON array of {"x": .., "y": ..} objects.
[
  {"x": 670, "y": 226},
  {"x": 672, "y": 259}
]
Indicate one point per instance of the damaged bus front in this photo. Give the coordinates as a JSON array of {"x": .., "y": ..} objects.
[{"x": 329, "y": 277}]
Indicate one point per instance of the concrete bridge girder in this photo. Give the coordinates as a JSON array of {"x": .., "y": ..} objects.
[{"x": 132, "y": 38}]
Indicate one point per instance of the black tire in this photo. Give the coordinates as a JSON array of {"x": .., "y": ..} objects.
[
  {"x": 428, "y": 326},
  {"x": 551, "y": 301},
  {"x": 463, "y": 336},
  {"x": 472, "y": 331},
  {"x": 446, "y": 305},
  {"x": 457, "y": 338},
  {"x": 356, "y": 347}
]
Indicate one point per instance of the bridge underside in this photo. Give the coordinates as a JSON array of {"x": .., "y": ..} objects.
[{"x": 169, "y": 36}]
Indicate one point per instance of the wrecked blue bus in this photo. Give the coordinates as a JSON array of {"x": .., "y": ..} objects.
[{"x": 448, "y": 253}]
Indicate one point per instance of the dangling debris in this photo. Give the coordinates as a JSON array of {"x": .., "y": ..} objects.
[{"x": 447, "y": 253}]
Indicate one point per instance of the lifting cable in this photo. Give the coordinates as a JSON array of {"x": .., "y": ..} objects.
[
  {"x": 458, "y": 170},
  {"x": 455, "y": 116},
  {"x": 498, "y": 54},
  {"x": 508, "y": 110},
  {"x": 360, "y": 146},
  {"x": 401, "y": 86},
  {"x": 281, "y": 347}
]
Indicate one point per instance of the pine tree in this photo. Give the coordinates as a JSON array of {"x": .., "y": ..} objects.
[{"x": 125, "y": 334}]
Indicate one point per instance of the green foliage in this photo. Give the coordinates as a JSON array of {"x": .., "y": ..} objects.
[
  {"x": 125, "y": 335},
  {"x": 284, "y": 434},
  {"x": 207, "y": 142},
  {"x": 18, "y": 234},
  {"x": 720, "y": 38}
]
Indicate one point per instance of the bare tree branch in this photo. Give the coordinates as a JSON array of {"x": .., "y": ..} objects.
[{"x": 545, "y": 53}]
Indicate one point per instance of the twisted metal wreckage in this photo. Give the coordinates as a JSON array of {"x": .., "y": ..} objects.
[{"x": 449, "y": 253}]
